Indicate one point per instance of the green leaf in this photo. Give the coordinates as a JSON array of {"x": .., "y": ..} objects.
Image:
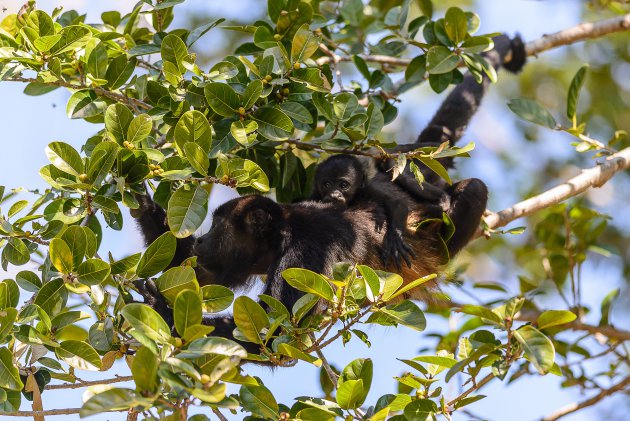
[
  {"x": 441, "y": 60},
  {"x": 173, "y": 50},
  {"x": 606, "y": 305},
  {"x": 313, "y": 78},
  {"x": 9, "y": 375},
  {"x": 175, "y": 280},
  {"x": 187, "y": 310},
  {"x": 446, "y": 362},
  {"x": 531, "y": 111},
  {"x": 214, "y": 345},
  {"x": 85, "y": 104},
  {"x": 246, "y": 173},
  {"x": 406, "y": 313},
  {"x": 120, "y": 70},
  {"x": 250, "y": 318},
  {"x": 157, "y": 256},
  {"x": 79, "y": 355},
  {"x": 554, "y": 318},
  {"x": 304, "y": 45},
  {"x": 293, "y": 352},
  {"x": 115, "y": 399},
  {"x": 64, "y": 157},
  {"x": 349, "y": 394},
  {"x": 241, "y": 131},
  {"x": 259, "y": 401},
  {"x": 537, "y": 347},
  {"x": 273, "y": 123},
  {"x": 144, "y": 370},
  {"x": 420, "y": 409},
  {"x": 97, "y": 60},
  {"x": 28, "y": 281},
  {"x": 344, "y": 105},
  {"x": 147, "y": 321},
  {"x": 193, "y": 127},
  {"x": 7, "y": 320},
  {"x": 101, "y": 162},
  {"x": 484, "y": 313},
  {"x": 52, "y": 296},
  {"x": 76, "y": 239},
  {"x": 144, "y": 49},
  {"x": 456, "y": 24},
  {"x": 197, "y": 158},
  {"x": 16, "y": 252},
  {"x": 118, "y": 118},
  {"x": 476, "y": 45},
  {"x": 93, "y": 271},
  {"x": 222, "y": 99},
  {"x": 375, "y": 121},
  {"x": 252, "y": 93},
  {"x": 574, "y": 91},
  {"x": 216, "y": 298},
  {"x": 187, "y": 209},
  {"x": 310, "y": 282},
  {"x": 73, "y": 37},
  {"x": 200, "y": 31},
  {"x": 359, "y": 369},
  {"x": 297, "y": 112},
  {"x": 139, "y": 129},
  {"x": 60, "y": 255}
]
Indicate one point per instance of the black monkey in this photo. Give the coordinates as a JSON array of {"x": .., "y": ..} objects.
[
  {"x": 253, "y": 235},
  {"x": 351, "y": 180}
]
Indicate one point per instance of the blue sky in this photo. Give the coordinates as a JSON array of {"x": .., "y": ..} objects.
[{"x": 30, "y": 123}]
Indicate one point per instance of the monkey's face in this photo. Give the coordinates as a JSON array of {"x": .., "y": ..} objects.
[
  {"x": 338, "y": 184},
  {"x": 240, "y": 240}
]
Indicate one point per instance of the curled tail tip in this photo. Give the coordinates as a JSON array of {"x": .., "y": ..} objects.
[{"x": 519, "y": 55}]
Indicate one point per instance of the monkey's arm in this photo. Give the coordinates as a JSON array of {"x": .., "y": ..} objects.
[
  {"x": 451, "y": 119},
  {"x": 394, "y": 246}
]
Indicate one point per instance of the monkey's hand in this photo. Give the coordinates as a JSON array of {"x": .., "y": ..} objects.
[
  {"x": 396, "y": 248},
  {"x": 154, "y": 299}
]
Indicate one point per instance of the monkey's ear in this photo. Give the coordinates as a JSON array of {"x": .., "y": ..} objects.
[{"x": 259, "y": 219}]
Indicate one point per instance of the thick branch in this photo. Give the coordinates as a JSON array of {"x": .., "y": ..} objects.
[
  {"x": 578, "y": 33},
  {"x": 572, "y": 35},
  {"x": 592, "y": 401},
  {"x": 592, "y": 177}
]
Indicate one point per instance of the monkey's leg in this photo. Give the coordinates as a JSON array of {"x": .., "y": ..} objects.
[{"x": 468, "y": 200}]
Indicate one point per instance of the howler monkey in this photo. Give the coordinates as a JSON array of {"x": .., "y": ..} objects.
[
  {"x": 350, "y": 180},
  {"x": 253, "y": 235}
]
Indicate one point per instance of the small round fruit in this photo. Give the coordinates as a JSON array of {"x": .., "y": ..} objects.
[
  {"x": 83, "y": 178},
  {"x": 205, "y": 379}
]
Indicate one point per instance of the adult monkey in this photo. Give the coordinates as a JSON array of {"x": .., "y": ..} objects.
[{"x": 253, "y": 235}]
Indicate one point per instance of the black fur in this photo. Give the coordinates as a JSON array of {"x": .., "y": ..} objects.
[
  {"x": 350, "y": 180},
  {"x": 253, "y": 235}
]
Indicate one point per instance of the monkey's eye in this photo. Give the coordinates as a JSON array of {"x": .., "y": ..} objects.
[
  {"x": 344, "y": 185},
  {"x": 327, "y": 185}
]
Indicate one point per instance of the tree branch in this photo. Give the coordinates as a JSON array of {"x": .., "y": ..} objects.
[
  {"x": 592, "y": 177},
  {"x": 66, "y": 411},
  {"x": 581, "y": 32},
  {"x": 592, "y": 401},
  {"x": 81, "y": 384},
  {"x": 473, "y": 388},
  {"x": 98, "y": 90},
  {"x": 606, "y": 330}
]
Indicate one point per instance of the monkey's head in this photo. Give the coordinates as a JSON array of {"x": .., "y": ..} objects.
[
  {"x": 338, "y": 179},
  {"x": 242, "y": 241}
]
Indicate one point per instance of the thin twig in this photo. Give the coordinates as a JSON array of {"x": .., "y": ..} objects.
[
  {"x": 66, "y": 411},
  {"x": 219, "y": 414},
  {"x": 334, "y": 378},
  {"x": 98, "y": 90},
  {"x": 81, "y": 384},
  {"x": 566, "y": 410},
  {"x": 478, "y": 385}
]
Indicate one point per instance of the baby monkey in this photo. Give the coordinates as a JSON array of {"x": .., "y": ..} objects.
[{"x": 349, "y": 180}]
